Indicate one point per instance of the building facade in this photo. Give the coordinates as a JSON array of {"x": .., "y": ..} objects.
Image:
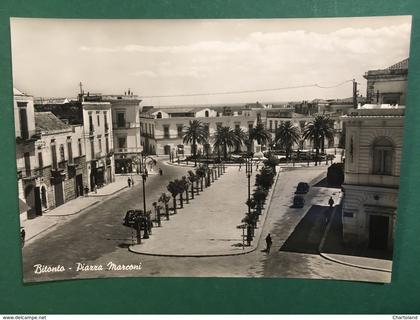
[
  {"x": 125, "y": 111},
  {"x": 162, "y": 129},
  {"x": 374, "y": 139}
]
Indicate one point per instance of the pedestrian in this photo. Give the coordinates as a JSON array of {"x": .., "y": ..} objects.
[
  {"x": 132, "y": 182},
  {"x": 129, "y": 182},
  {"x": 22, "y": 235},
  {"x": 331, "y": 203},
  {"x": 268, "y": 242},
  {"x": 240, "y": 166},
  {"x": 86, "y": 191},
  {"x": 160, "y": 171},
  {"x": 146, "y": 172},
  {"x": 95, "y": 188}
]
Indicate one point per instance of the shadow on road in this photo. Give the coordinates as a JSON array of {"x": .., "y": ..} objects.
[{"x": 309, "y": 232}]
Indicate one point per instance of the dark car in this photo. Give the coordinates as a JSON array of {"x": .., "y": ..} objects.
[
  {"x": 302, "y": 188},
  {"x": 131, "y": 217},
  {"x": 298, "y": 201}
]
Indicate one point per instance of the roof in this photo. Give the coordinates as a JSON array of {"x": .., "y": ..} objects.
[
  {"x": 403, "y": 64},
  {"x": 47, "y": 121}
]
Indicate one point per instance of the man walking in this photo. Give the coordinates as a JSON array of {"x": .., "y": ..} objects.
[
  {"x": 331, "y": 203},
  {"x": 129, "y": 182},
  {"x": 268, "y": 242}
]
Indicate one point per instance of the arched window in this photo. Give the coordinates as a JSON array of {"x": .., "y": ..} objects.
[
  {"x": 383, "y": 150},
  {"x": 207, "y": 113},
  {"x": 159, "y": 115}
]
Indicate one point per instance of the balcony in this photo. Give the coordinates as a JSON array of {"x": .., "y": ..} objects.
[
  {"x": 128, "y": 150},
  {"x": 27, "y": 175},
  {"x": 58, "y": 170},
  {"x": 75, "y": 162},
  {"x": 125, "y": 125}
]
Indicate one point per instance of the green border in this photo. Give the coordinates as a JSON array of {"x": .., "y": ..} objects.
[{"x": 198, "y": 295}]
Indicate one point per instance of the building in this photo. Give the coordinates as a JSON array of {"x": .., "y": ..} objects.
[
  {"x": 96, "y": 118},
  {"x": 25, "y": 133},
  {"x": 388, "y": 86},
  {"x": 162, "y": 129},
  {"x": 50, "y": 158},
  {"x": 125, "y": 111},
  {"x": 60, "y": 161},
  {"x": 374, "y": 138}
]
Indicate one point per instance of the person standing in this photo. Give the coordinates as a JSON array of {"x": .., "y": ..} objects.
[
  {"x": 268, "y": 242},
  {"x": 331, "y": 203},
  {"x": 22, "y": 235},
  {"x": 129, "y": 182},
  {"x": 160, "y": 171}
]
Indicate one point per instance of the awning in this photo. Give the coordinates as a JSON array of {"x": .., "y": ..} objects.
[{"x": 23, "y": 207}]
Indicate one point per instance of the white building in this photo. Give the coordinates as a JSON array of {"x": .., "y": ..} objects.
[{"x": 162, "y": 128}]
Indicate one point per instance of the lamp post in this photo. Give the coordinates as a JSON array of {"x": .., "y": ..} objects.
[{"x": 248, "y": 171}]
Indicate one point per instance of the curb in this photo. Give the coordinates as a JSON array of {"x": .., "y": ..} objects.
[
  {"x": 108, "y": 194},
  {"x": 73, "y": 213},
  {"x": 42, "y": 231},
  {"x": 262, "y": 223},
  {"x": 327, "y": 257}
]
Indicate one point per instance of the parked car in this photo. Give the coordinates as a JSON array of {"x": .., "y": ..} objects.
[
  {"x": 131, "y": 217},
  {"x": 298, "y": 201},
  {"x": 302, "y": 188}
]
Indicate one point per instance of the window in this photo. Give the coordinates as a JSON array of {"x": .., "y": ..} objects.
[
  {"x": 27, "y": 158},
  {"x": 106, "y": 121},
  {"x": 166, "y": 131},
  {"x": 70, "y": 150},
  {"x": 153, "y": 130},
  {"x": 79, "y": 142},
  {"x": 180, "y": 130},
  {"x": 92, "y": 148},
  {"x": 141, "y": 127},
  {"x": 107, "y": 144},
  {"x": 62, "y": 154},
  {"x": 382, "y": 156},
  {"x": 23, "y": 119},
  {"x": 40, "y": 160},
  {"x": 237, "y": 126},
  {"x": 207, "y": 113},
  {"x": 100, "y": 144},
  {"x": 53, "y": 155},
  {"x": 121, "y": 119},
  {"x": 90, "y": 123},
  {"x": 276, "y": 124},
  {"x": 159, "y": 115},
  {"x": 270, "y": 125},
  {"x": 250, "y": 126},
  {"x": 121, "y": 142},
  {"x": 98, "y": 119}
]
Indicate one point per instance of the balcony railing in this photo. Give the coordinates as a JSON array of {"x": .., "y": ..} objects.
[
  {"x": 125, "y": 125},
  {"x": 128, "y": 150},
  {"x": 25, "y": 174}
]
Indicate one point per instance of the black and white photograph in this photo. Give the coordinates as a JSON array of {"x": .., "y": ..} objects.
[{"x": 251, "y": 148}]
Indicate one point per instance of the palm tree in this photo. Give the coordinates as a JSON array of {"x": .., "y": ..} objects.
[
  {"x": 286, "y": 136},
  {"x": 174, "y": 188},
  {"x": 195, "y": 133},
  {"x": 224, "y": 138},
  {"x": 260, "y": 133},
  {"x": 241, "y": 137},
  {"x": 319, "y": 129}
]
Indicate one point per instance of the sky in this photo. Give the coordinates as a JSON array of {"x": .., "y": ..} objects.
[{"x": 181, "y": 58}]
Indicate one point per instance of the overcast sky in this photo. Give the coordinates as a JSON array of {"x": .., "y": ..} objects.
[{"x": 174, "y": 57}]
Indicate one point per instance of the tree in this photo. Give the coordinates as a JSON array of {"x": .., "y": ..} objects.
[
  {"x": 240, "y": 138},
  {"x": 260, "y": 134},
  {"x": 201, "y": 173},
  {"x": 195, "y": 133},
  {"x": 224, "y": 138},
  {"x": 286, "y": 136},
  {"x": 272, "y": 162},
  {"x": 164, "y": 198},
  {"x": 192, "y": 177},
  {"x": 174, "y": 188},
  {"x": 319, "y": 129}
]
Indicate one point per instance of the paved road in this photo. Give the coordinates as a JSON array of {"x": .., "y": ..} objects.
[
  {"x": 96, "y": 232},
  {"x": 97, "y": 238}
]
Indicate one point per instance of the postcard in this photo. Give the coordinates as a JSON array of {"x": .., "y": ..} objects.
[{"x": 209, "y": 148}]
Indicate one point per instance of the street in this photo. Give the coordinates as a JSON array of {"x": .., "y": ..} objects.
[{"x": 97, "y": 237}]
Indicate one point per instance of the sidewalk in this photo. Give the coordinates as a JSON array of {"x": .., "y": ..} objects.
[
  {"x": 49, "y": 219},
  {"x": 208, "y": 225}
]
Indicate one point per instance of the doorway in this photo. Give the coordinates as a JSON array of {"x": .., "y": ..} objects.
[
  {"x": 79, "y": 185},
  {"x": 378, "y": 232},
  {"x": 58, "y": 193}
]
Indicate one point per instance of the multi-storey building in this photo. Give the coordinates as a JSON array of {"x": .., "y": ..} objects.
[
  {"x": 95, "y": 117},
  {"x": 59, "y": 160},
  {"x": 388, "y": 86},
  {"x": 374, "y": 138},
  {"x": 162, "y": 128},
  {"x": 126, "y": 129},
  {"x": 50, "y": 158}
]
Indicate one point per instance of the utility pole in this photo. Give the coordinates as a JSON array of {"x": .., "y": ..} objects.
[{"x": 354, "y": 94}]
